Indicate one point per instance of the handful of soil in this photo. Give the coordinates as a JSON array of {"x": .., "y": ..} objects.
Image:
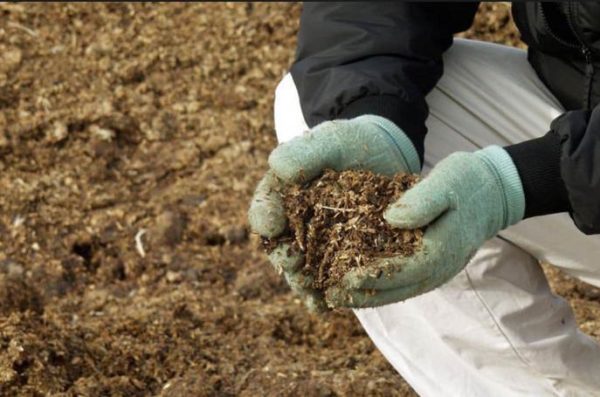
[{"x": 336, "y": 222}]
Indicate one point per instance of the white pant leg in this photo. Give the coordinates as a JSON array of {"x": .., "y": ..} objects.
[{"x": 495, "y": 329}]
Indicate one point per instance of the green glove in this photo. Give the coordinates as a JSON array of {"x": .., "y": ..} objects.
[
  {"x": 465, "y": 200},
  {"x": 367, "y": 142}
]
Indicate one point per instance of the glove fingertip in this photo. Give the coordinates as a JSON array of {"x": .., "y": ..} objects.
[
  {"x": 287, "y": 165},
  {"x": 266, "y": 222},
  {"x": 401, "y": 217},
  {"x": 417, "y": 208},
  {"x": 266, "y": 214}
]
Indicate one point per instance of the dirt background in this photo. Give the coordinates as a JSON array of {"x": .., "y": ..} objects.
[{"x": 152, "y": 123}]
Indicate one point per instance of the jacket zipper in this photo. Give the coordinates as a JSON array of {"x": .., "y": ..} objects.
[
  {"x": 587, "y": 54},
  {"x": 589, "y": 75},
  {"x": 585, "y": 51}
]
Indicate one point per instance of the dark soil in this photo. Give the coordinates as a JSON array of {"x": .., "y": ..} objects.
[
  {"x": 119, "y": 119},
  {"x": 336, "y": 222}
]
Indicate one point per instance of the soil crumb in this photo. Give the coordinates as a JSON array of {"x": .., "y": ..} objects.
[{"x": 337, "y": 222}]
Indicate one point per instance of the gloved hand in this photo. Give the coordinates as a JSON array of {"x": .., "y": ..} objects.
[
  {"x": 366, "y": 142},
  {"x": 465, "y": 200}
]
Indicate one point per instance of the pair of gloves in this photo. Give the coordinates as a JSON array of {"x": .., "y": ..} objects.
[{"x": 465, "y": 200}]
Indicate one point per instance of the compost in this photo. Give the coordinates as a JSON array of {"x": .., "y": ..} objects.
[{"x": 336, "y": 223}]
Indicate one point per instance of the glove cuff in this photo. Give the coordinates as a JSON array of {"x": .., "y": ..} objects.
[
  {"x": 398, "y": 138},
  {"x": 507, "y": 174}
]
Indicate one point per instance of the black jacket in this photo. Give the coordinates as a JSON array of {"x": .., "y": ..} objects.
[{"x": 384, "y": 58}]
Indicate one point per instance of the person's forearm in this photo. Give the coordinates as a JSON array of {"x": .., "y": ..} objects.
[{"x": 368, "y": 58}]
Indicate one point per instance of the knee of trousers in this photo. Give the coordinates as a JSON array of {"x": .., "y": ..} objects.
[{"x": 288, "y": 116}]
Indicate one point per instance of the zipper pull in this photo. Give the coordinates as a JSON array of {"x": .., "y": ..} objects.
[{"x": 587, "y": 54}]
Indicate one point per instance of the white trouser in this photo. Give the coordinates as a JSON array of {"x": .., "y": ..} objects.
[{"x": 496, "y": 329}]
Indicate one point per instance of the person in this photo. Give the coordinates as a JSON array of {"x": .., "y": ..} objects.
[{"x": 511, "y": 166}]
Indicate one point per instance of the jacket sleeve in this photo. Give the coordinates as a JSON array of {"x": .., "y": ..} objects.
[
  {"x": 560, "y": 171},
  {"x": 579, "y": 133},
  {"x": 374, "y": 58}
]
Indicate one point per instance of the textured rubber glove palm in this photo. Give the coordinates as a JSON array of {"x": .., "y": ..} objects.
[
  {"x": 366, "y": 142},
  {"x": 465, "y": 200}
]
